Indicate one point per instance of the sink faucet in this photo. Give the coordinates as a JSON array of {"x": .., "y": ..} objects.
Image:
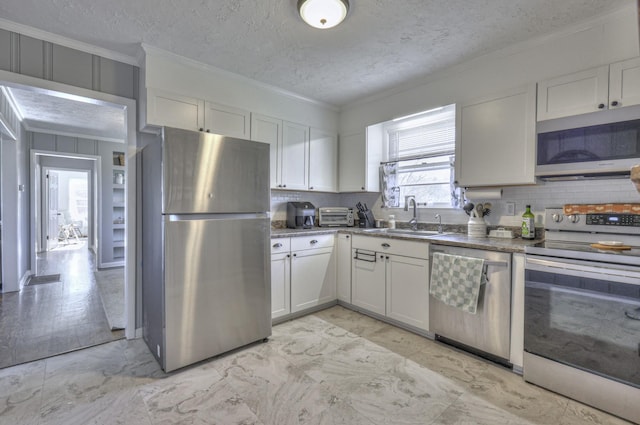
[
  {"x": 439, "y": 218},
  {"x": 407, "y": 201}
]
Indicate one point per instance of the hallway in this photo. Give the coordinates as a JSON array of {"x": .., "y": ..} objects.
[{"x": 51, "y": 318}]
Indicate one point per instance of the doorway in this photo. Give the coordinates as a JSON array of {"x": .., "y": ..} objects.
[{"x": 76, "y": 233}]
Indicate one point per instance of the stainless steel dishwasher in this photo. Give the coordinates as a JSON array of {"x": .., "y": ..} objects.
[{"x": 488, "y": 332}]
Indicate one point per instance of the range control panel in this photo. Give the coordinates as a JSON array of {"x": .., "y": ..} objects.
[{"x": 626, "y": 220}]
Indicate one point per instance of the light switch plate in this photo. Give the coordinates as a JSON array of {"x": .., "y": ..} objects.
[{"x": 511, "y": 208}]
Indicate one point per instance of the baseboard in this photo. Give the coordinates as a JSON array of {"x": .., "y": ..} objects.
[
  {"x": 25, "y": 279},
  {"x": 111, "y": 265}
]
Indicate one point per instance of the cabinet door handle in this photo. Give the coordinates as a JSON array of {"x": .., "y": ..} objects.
[
  {"x": 310, "y": 187},
  {"x": 382, "y": 257},
  {"x": 387, "y": 257},
  {"x": 385, "y": 245},
  {"x": 284, "y": 185},
  {"x": 295, "y": 255},
  {"x": 208, "y": 130},
  {"x": 313, "y": 242},
  {"x": 362, "y": 188},
  {"x": 277, "y": 245},
  {"x": 614, "y": 103},
  {"x": 347, "y": 237},
  {"x": 288, "y": 255},
  {"x": 201, "y": 129},
  {"x": 601, "y": 106}
]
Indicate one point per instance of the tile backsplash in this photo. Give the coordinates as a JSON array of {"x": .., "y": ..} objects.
[{"x": 539, "y": 196}]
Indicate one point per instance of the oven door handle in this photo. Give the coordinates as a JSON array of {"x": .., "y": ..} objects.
[{"x": 583, "y": 270}]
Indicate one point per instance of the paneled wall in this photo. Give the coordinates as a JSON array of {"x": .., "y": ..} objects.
[{"x": 41, "y": 59}]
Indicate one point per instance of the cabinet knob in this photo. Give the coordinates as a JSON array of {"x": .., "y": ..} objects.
[
  {"x": 295, "y": 255},
  {"x": 382, "y": 257},
  {"x": 313, "y": 242},
  {"x": 601, "y": 106},
  {"x": 288, "y": 255},
  {"x": 208, "y": 130},
  {"x": 310, "y": 187},
  {"x": 277, "y": 245},
  {"x": 201, "y": 129},
  {"x": 362, "y": 188},
  {"x": 614, "y": 103},
  {"x": 387, "y": 257},
  {"x": 347, "y": 237},
  {"x": 385, "y": 245}
]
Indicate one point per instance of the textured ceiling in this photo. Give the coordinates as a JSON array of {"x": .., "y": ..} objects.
[
  {"x": 382, "y": 43},
  {"x": 70, "y": 115}
]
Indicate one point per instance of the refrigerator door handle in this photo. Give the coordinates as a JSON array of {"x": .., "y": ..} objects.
[{"x": 195, "y": 217}]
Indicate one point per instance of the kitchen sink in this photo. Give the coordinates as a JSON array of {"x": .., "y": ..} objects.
[{"x": 408, "y": 232}]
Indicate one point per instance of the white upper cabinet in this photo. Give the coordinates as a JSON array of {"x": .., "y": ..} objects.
[
  {"x": 269, "y": 130},
  {"x": 495, "y": 145},
  {"x": 226, "y": 120},
  {"x": 358, "y": 163},
  {"x": 605, "y": 87},
  {"x": 323, "y": 161},
  {"x": 295, "y": 156},
  {"x": 173, "y": 110},
  {"x": 624, "y": 83}
]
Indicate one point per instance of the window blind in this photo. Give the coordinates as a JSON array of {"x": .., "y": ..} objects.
[{"x": 429, "y": 135}]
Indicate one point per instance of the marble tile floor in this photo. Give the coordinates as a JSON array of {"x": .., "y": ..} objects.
[
  {"x": 332, "y": 367},
  {"x": 52, "y": 318}
]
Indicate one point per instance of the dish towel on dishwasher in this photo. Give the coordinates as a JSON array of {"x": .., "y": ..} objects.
[{"x": 456, "y": 280}]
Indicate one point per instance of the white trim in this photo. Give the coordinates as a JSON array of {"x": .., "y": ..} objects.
[
  {"x": 34, "y": 129},
  {"x": 66, "y": 42},
  {"x": 12, "y": 102},
  {"x": 231, "y": 75},
  {"x": 24, "y": 279},
  {"x": 129, "y": 106},
  {"x": 5, "y": 127}
]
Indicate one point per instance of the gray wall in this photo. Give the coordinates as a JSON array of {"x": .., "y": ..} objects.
[{"x": 49, "y": 61}]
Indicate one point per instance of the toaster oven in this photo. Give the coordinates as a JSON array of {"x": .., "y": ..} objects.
[{"x": 335, "y": 216}]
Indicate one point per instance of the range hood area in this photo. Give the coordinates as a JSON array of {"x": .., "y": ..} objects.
[{"x": 597, "y": 145}]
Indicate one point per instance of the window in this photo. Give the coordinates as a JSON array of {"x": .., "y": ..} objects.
[{"x": 421, "y": 155}]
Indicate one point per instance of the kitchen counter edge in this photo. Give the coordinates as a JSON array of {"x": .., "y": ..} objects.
[{"x": 450, "y": 239}]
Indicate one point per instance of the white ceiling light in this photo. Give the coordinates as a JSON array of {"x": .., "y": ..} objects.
[{"x": 323, "y": 14}]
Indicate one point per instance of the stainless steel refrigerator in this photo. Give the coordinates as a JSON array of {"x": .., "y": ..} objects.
[{"x": 206, "y": 285}]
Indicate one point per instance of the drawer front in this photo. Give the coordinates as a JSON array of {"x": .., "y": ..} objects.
[
  {"x": 279, "y": 245},
  {"x": 392, "y": 246},
  {"x": 300, "y": 243}
]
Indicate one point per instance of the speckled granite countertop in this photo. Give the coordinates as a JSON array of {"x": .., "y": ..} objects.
[{"x": 452, "y": 239}]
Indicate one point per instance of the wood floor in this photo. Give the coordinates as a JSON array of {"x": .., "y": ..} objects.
[{"x": 51, "y": 318}]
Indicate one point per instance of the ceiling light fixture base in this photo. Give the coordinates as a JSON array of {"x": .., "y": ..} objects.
[{"x": 323, "y": 14}]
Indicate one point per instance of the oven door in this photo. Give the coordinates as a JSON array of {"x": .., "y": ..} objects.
[{"x": 584, "y": 314}]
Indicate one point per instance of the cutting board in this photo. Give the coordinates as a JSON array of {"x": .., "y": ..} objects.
[{"x": 611, "y": 247}]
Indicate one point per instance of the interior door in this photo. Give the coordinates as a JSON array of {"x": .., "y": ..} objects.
[{"x": 53, "y": 214}]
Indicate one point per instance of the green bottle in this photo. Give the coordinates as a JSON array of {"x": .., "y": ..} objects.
[{"x": 528, "y": 226}]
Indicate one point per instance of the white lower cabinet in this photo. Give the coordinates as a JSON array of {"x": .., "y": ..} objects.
[
  {"x": 303, "y": 273},
  {"x": 313, "y": 278},
  {"x": 343, "y": 267},
  {"x": 280, "y": 285},
  {"x": 408, "y": 290},
  {"x": 387, "y": 281},
  {"x": 368, "y": 281}
]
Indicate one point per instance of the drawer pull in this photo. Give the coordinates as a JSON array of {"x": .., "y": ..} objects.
[
  {"x": 277, "y": 245},
  {"x": 385, "y": 245},
  {"x": 313, "y": 242}
]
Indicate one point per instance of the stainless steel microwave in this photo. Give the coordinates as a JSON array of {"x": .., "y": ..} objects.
[{"x": 587, "y": 147}]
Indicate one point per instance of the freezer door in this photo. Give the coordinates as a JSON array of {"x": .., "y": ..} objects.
[
  {"x": 209, "y": 173},
  {"x": 217, "y": 285}
]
